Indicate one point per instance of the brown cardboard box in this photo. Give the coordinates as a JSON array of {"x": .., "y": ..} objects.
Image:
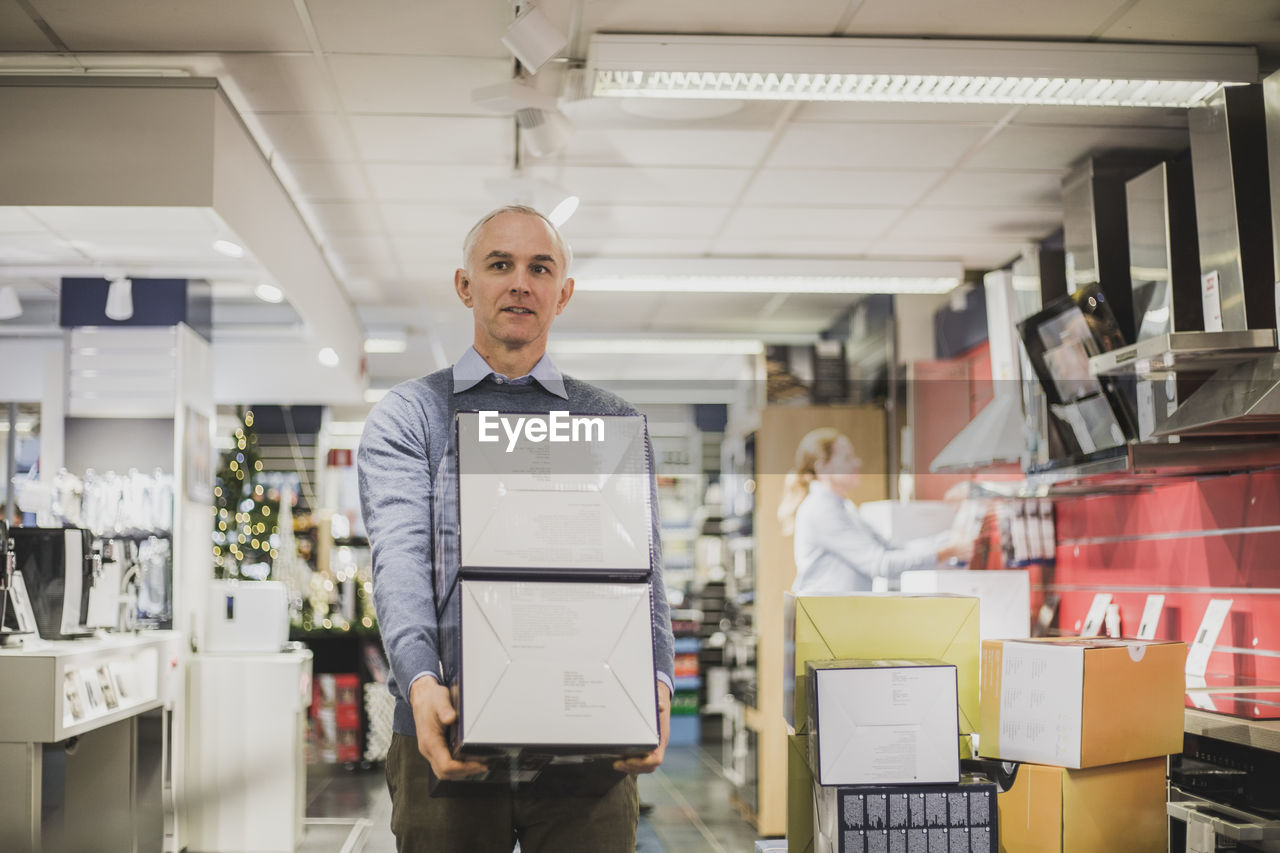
[
  {"x": 1116, "y": 807},
  {"x": 1073, "y": 702}
]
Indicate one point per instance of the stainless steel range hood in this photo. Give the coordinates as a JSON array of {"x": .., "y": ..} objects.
[{"x": 1243, "y": 399}]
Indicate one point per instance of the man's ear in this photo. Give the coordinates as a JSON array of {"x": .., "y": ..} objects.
[
  {"x": 462, "y": 284},
  {"x": 566, "y": 292}
]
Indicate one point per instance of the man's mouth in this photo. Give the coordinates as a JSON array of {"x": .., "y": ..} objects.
[{"x": 516, "y": 309}]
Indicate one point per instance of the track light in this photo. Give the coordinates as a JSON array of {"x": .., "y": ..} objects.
[
  {"x": 10, "y": 307},
  {"x": 533, "y": 39},
  {"x": 120, "y": 299}
]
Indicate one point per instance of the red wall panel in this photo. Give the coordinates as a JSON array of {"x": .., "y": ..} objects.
[{"x": 1191, "y": 541}]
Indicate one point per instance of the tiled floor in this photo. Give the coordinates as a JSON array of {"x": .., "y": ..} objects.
[{"x": 350, "y": 812}]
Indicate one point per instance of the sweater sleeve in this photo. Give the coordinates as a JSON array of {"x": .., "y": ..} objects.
[
  {"x": 395, "y": 496},
  {"x": 837, "y": 532}
]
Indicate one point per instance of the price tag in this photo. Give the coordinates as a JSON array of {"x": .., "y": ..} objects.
[
  {"x": 1211, "y": 295},
  {"x": 1150, "y": 617},
  {"x": 1215, "y": 616},
  {"x": 1097, "y": 615}
]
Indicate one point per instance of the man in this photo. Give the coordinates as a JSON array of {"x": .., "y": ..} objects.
[{"x": 515, "y": 281}]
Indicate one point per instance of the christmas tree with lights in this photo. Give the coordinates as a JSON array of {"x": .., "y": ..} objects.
[{"x": 245, "y": 514}]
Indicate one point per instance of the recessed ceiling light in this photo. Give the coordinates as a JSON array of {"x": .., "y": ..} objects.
[
  {"x": 567, "y": 207},
  {"x": 385, "y": 345},
  {"x": 328, "y": 357},
  {"x": 269, "y": 293},
  {"x": 226, "y": 247}
]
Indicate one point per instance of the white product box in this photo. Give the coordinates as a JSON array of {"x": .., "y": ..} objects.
[
  {"x": 898, "y": 522},
  {"x": 246, "y": 616},
  {"x": 572, "y": 495},
  {"x": 883, "y": 722},
  {"x": 1004, "y": 597},
  {"x": 559, "y": 666}
]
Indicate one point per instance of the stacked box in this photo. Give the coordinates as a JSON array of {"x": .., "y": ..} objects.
[
  {"x": 335, "y": 714},
  {"x": 544, "y": 556},
  {"x": 1092, "y": 720},
  {"x": 1004, "y": 596},
  {"x": 886, "y": 698}
]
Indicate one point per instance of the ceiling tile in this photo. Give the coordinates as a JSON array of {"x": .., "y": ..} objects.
[
  {"x": 666, "y": 147},
  {"x": 447, "y": 221},
  {"x": 307, "y": 136},
  {"x": 595, "y": 220},
  {"x": 812, "y": 18},
  {"x": 177, "y": 249},
  {"x": 164, "y": 26},
  {"x": 991, "y": 188},
  {"x": 1135, "y": 117},
  {"x": 419, "y": 139},
  {"x": 982, "y": 18},
  {"x": 627, "y": 246},
  {"x": 357, "y": 250},
  {"x": 417, "y": 182},
  {"x": 381, "y": 266},
  {"x": 1045, "y": 147},
  {"x": 874, "y": 146},
  {"x": 951, "y": 223},
  {"x": 772, "y": 225},
  {"x": 325, "y": 181},
  {"x": 72, "y": 221},
  {"x": 16, "y": 220},
  {"x": 814, "y": 187},
  {"x": 417, "y": 85},
  {"x": 287, "y": 84},
  {"x": 346, "y": 217},
  {"x": 1237, "y": 22},
  {"x": 18, "y": 32},
  {"x": 660, "y": 114},
  {"x": 411, "y": 27},
  {"x": 854, "y": 244},
  {"x": 973, "y": 252},
  {"x": 646, "y": 185}
]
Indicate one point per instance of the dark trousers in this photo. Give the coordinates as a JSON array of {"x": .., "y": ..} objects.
[{"x": 493, "y": 824}]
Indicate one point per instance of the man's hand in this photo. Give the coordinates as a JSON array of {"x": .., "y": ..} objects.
[
  {"x": 649, "y": 763},
  {"x": 433, "y": 712}
]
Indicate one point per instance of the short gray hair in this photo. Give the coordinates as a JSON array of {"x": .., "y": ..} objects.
[{"x": 469, "y": 243}]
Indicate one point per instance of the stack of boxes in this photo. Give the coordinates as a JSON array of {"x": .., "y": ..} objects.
[
  {"x": 883, "y": 697},
  {"x": 1090, "y": 721},
  {"x": 884, "y": 685},
  {"x": 543, "y": 566}
]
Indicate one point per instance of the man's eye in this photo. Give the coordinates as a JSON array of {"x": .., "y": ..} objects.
[
  {"x": 498, "y": 265},
  {"x": 539, "y": 268}
]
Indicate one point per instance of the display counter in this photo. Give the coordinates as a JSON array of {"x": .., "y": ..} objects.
[{"x": 80, "y": 745}]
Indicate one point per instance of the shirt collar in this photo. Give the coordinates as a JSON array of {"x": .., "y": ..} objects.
[{"x": 472, "y": 369}]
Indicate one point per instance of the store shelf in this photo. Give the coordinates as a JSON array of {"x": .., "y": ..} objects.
[
  {"x": 1200, "y": 352},
  {"x": 1264, "y": 734}
]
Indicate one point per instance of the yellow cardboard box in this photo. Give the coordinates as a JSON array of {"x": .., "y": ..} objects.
[
  {"x": 1075, "y": 702},
  {"x": 1057, "y": 810},
  {"x": 799, "y": 796},
  {"x": 876, "y": 626}
]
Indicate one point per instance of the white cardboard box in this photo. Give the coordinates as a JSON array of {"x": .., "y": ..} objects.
[
  {"x": 578, "y": 504},
  {"x": 1004, "y": 597},
  {"x": 883, "y": 722},
  {"x": 899, "y": 522},
  {"x": 564, "y": 666}
]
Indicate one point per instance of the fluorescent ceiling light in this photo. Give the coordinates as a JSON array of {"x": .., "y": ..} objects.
[
  {"x": 763, "y": 284},
  {"x": 328, "y": 357},
  {"x": 228, "y": 248},
  {"x": 913, "y": 70},
  {"x": 765, "y": 275},
  {"x": 269, "y": 293},
  {"x": 567, "y": 207},
  {"x": 655, "y": 346},
  {"x": 10, "y": 307}
]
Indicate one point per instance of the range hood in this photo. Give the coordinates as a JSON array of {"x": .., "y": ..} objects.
[
  {"x": 1243, "y": 399},
  {"x": 998, "y": 434}
]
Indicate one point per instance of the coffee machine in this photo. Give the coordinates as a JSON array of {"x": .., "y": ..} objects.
[{"x": 59, "y": 568}]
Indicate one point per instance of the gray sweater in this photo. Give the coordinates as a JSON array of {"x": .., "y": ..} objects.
[{"x": 405, "y": 438}]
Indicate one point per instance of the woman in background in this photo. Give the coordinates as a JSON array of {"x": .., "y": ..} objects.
[{"x": 835, "y": 550}]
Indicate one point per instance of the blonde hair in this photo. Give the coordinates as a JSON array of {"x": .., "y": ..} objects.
[{"x": 817, "y": 446}]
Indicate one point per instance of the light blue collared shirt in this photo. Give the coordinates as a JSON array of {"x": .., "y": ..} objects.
[{"x": 472, "y": 369}]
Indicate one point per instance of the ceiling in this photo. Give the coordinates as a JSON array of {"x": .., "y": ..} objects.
[{"x": 364, "y": 111}]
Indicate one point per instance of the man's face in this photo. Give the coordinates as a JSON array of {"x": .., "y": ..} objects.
[{"x": 515, "y": 284}]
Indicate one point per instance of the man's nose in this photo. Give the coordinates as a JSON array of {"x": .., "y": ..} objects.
[{"x": 520, "y": 282}]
